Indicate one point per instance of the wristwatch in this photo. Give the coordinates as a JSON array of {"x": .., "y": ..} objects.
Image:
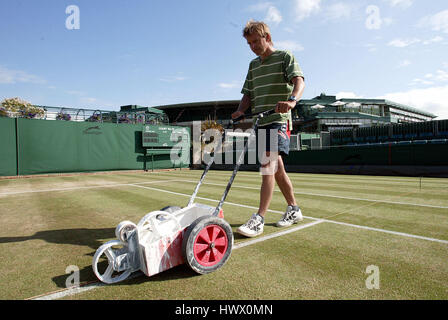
[{"x": 292, "y": 98}]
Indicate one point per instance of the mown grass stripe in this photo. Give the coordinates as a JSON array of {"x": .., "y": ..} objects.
[
  {"x": 415, "y": 181},
  {"x": 329, "y": 196},
  {"x": 216, "y": 184}
]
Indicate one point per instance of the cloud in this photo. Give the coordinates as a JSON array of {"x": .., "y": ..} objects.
[
  {"x": 437, "y": 22},
  {"x": 399, "y": 3},
  {"x": 75, "y": 92},
  {"x": 402, "y": 43},
  {"x": 9, "y": 76},
  {"x": 289, "y": 45},
  {"x": 273, "y": 15},
  {"x": 173, "y": 78},
  {"x": 439, "y": 76},
  {"x": 347, "y": 95},
  {"x": 89, "y": 100},
  {"x": 387, "y": 21},
  {"x": 428, "y": 99},
  {"x": 305, "y": 8},
  {"x": 96, "y": 103},
  {"x": 371, "y": 47},
  {"x": 230, "y": 85},
  {"x": 404, "y": 63},
  {"x": 432, "y": 99},
  {"x": 227, "y": 85},
  {"x": 433, "y": 40},
  {"x": 338, "y": 11},
  {"x": 418, "y": 81},
  {"x": 262, "y": 6}
]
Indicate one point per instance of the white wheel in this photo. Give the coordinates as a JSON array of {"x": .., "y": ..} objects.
[
  {"x": 115, "y": 252},
  {"x": 154, "y": 220},
  {"x": 122, "y": 229}
]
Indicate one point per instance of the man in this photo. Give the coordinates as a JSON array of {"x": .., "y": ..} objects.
[{"x": 274, "y": 80}]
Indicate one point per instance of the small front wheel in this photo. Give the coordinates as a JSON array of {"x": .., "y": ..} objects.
[
  {"x": 113, "y": 255},
  {"x": 121, "y": 231},
  {"x": 207, "y": 244}
]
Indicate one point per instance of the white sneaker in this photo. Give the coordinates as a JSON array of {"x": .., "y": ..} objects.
[
  {"x": 292, "y": 215},
  {"x": 253, "y": 227}
]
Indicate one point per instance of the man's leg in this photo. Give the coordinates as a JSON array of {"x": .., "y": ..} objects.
[
  {"x": 254, "y": 226},
  {"x": 293, "y": 213},
  {"x": 284, "y": 183},
  {"x": 268, "y": 173}
]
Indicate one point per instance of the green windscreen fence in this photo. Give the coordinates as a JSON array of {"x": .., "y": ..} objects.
[
  {"x": 8, "y": 152},
  {"x": 29, "y": 146},
  {"x": 32, "y": 146},
  {"x": 429, "y": 154}
]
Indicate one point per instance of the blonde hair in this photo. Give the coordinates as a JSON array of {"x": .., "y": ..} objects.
[{"x": 257, "y": 27}]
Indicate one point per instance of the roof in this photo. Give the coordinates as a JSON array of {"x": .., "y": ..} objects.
[
  {"x": 131, "y": 108},
  {"x": 324, "y": 99},
  {"x": 224, "y": 103}
]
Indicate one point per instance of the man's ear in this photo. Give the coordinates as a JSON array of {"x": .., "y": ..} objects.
[{"x": 268, "y": 38}]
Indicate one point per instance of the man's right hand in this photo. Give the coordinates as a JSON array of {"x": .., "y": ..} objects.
[{"x": 237, "y": 114}]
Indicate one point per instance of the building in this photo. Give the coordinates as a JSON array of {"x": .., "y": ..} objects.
[
  {"x": 186, "y": 113},
  {"x": 326, "y": 113},
  {"x": 322, "y": 113}
]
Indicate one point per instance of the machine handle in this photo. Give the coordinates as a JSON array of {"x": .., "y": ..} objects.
[
  {"x": 238, "y": 119},
  {"x": 258, "y": 115},
  {"x": 265, "y": 113}
]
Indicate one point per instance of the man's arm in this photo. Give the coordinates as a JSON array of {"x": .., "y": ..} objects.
[
  {"x": 244, "y": 105},
  {"x": 299, "y": 86},
  {"x": 297, "y": 91}
]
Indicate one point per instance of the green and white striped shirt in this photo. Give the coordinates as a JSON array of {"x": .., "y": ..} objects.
[{"x": 269, "y": 81}]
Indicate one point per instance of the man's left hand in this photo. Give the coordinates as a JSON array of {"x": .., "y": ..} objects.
[{"x": 284, "y": 106}]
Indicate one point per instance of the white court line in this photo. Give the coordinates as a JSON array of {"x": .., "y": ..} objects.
[
  {"x": 86, "y": 187},
  {"x": 276, "y": 234},
  {"x": 71, "y": 291},
  {"x": 386, "y": 231}
]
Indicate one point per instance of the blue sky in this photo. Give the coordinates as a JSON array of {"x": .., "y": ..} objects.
[{"x": 151, "y": 52}]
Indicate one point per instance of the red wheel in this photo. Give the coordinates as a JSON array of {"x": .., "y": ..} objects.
[
  {"x": 210, "y": 245},
  {"x": 207, "y": 244}
]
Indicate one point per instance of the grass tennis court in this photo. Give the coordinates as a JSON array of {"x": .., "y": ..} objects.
[{"x": 398, "y": 224}]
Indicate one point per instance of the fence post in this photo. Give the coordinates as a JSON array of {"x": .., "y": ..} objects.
[{"x": 17, "y": 145}]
